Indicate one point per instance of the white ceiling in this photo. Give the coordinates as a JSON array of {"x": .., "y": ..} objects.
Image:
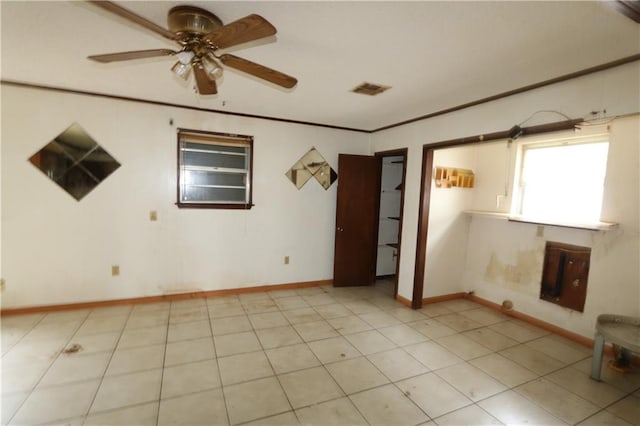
[{"x": 435, "y": 55}]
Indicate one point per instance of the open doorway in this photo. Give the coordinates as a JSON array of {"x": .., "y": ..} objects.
[
  {"x": 391, "y": 202},
  {"x": 427, "y": 176}
]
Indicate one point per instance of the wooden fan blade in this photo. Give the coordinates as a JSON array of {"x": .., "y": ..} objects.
[
  {"x": 137, "y": 19},
  {"x": 206, "y": 85},
  {"x": 259, "y": 71},
  {"x": 243, "y": 30},
  {"x": 134, "y": 54}
]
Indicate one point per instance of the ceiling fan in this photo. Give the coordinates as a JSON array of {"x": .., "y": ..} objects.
[{"x": 200, "y": 35}]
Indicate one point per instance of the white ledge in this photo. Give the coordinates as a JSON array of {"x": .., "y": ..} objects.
[
  {"x": 595, "y": 226},
  {"x": 486, "y": 213}
]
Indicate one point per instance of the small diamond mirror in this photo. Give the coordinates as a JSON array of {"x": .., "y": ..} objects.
[{"x": 312, "y": 164}]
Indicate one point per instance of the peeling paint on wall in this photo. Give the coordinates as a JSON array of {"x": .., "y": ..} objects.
[{"x": 522, "y": 276}]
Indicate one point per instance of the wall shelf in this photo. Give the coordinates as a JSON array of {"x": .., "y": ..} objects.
[
  {"x": 389, "y": 219},
  {"x": 596, "y": 226},
  {"x": 447, "y": 177},
  {"x": 486, "y": 213}
]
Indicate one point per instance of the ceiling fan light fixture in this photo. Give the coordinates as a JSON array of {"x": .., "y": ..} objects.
[
  {"x": 212, "y": 67},
  {"x": 185, "y": 56},
  {"x": 181, "y": 70}
]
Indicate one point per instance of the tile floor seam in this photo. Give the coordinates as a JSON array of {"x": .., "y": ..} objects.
[
  {"x": 335, "y": 399},
  {"x": 265, "y": 417},
  {"x": 58, "y": 353},
  {"x": 277, "y": 376},
  {"x": 110, "y": 410},
  {"x": 475, "y": 403},
  {"x": 164, "y": 358},
  {"x": 328, "y": 373},
  {"x": 25, "y": 334},
  {"x": 215, "y": 352},
  {"x": 625, "y": 396},
  {"x": 528, "y": 399},
  {"x": 115, "y": 347},
  {"x": 365, "y": 389},
  {"x": 599, "y": 412},
  {"x": 625, "y": 393},
  {"x": 553, "y": 414},
  {"x": 407, "y": 396},
  {"x": 554, "y": 370},
  {"x": 404, "y": 378},
  {"x": 538, "y": 377}
]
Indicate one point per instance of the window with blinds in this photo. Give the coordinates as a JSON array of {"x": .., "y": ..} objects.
[{"x": 214, "y": 170}]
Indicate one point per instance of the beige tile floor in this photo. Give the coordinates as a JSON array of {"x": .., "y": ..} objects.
[{"x": 322, "y": 356}]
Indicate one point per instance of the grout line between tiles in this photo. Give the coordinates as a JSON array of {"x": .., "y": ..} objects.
[
  {"x": 113, "y": 351},
  {"x": 59, "y": 352},
  {"x": 215, "y": 353}
]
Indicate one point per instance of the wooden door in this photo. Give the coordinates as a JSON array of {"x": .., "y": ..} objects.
[{"x": 356, "y": 239}]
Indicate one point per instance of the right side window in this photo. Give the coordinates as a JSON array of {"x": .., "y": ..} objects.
[{"x": 562, "y": 181}]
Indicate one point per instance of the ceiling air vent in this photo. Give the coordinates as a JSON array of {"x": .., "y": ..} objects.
[{"x": 370, "y": 89}]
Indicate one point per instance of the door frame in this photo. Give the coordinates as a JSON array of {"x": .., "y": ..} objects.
[
  {"x": 380, "y": 155},
  {"x": 423, "y": 226}
]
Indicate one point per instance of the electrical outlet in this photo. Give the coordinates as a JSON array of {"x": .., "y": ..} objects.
[
  {"x": 115, "y": 270},
  {"x": 153, "y": 215},
  {"x": 286, "y": 260},
  {"x": 540, "y": 231},
  {"x": 3, "y": 283}
]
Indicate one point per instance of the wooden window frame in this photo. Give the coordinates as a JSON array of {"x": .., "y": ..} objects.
[{"x": 205, "y": 137}]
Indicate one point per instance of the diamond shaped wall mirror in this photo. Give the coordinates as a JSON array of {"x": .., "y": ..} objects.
[
  {"x": 75, "y": 161},
  {"x": 312, "y": 164}
]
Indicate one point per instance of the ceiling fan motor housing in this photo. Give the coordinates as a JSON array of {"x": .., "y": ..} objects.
[{"x": 192, "y": 20}]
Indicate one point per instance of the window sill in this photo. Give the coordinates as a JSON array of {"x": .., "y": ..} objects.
[
  {"x": 214, "y": 206},
  {"x": 596, "y": 226}
]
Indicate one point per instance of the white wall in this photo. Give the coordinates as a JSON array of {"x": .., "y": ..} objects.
[
  {"x": 448, "y": 226},
  {"x": 615, "y": 90},
  {"x": 57, "y": 250}
]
